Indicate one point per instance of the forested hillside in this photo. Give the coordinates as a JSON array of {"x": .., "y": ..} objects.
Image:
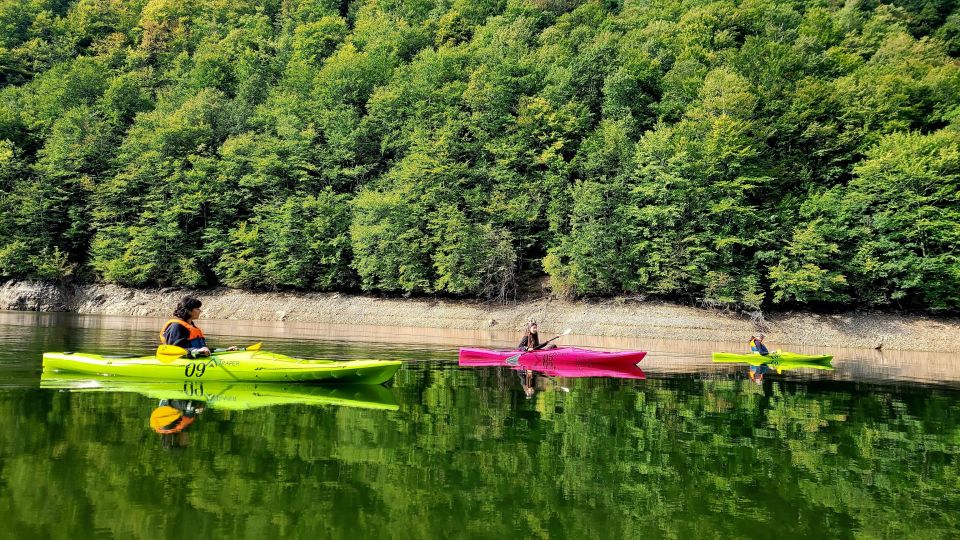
[{"x": 743, "y": 153}]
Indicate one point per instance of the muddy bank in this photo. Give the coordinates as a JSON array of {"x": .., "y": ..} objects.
[{"x": 615, "y": 317}]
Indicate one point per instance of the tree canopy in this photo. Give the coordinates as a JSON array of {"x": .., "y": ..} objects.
[{"x": 736, "y": 153}]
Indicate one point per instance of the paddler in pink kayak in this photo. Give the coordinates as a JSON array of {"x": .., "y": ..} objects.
[{"x": 531, "y": 339}]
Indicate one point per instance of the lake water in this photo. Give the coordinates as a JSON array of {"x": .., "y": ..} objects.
[{"x": 693, "y": 450}]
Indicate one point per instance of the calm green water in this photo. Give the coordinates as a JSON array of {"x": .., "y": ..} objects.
[{"x": 467, "y": 455}]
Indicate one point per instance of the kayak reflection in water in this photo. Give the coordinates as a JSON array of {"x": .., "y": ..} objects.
[
  {"x": 757, "y": 346},
  {"x": 181, "y": 330},
  {"x": 531, "y": 339},
  {"x": 531, "y": 381},
  {"x": 757, "y": 373},
  {"x": 172, "y": 418}
]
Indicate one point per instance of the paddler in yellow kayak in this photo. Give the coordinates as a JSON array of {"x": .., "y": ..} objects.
[
  {"x": 757, "y": 372},
  {"x": 757, "y": 346},
  {"x": 182, "y": 332}
]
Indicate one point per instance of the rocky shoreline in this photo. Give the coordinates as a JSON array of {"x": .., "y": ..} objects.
[{"x": 620, "y": 317}]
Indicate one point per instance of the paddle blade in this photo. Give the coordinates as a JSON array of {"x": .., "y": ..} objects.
[
  {"x": 565, "y": 332},
  {"x": 254, "y": 347},
  {"x": 163, "y": 416},
  {"x": 169, "y": 353}
]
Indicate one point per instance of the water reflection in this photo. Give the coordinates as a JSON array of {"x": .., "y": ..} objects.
[
  {"x": 538, "y": 372},
  {"x": 229, "y": 395},
  {"x": 466, "y": 456},
  {"x": 171, "y": 420},
  {"x": 758, "y": 366}
]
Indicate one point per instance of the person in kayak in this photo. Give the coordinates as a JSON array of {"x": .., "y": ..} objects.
[
  {"x": 531, "y": 339},
  {"x": 757, "y": 346},
  {"x": 182, "y": 332}
]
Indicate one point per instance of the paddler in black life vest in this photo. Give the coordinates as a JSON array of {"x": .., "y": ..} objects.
[
  {"x": 182, "y": 332},
  {"x": 531, "y": 339}
]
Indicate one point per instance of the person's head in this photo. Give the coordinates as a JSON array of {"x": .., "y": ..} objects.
[
  {"x": 760, "y": 337},
  {"x": 188, "y": 308},
  {"x": 532, "y": 327}
]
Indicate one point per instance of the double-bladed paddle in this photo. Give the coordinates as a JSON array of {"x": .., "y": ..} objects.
[
  {"x": 515, "y": 359},
  {"x": 169, "y": 353}
]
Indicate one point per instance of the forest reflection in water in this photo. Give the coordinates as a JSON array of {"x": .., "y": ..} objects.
[{"x": 452, "y": 451}]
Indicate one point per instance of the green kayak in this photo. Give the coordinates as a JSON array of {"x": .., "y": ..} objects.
[
  {"x": 779, "y": 360},
  {"x": 236, "y": 366},
  {"x": 229, "y": 395}
]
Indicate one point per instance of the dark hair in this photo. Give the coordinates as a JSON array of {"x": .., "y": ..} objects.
[
  {"x": 533, "y": 340},
  {"x": 186, "y": 305}
]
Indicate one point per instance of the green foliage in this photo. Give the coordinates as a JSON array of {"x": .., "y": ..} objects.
[
  {"x": 391, "y": 245},
  {"x": 712, "y": 152},
  {"x": 800, "y": 275},
  {"x": 904, "y": 206},
  {"x": 303, "y": 243}
]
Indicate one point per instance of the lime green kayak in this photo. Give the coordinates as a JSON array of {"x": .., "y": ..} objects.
[
  {"x": 779, "y": 360},
  {"x": 236, "y": 366},
  {"x": 229, "y": 395}
]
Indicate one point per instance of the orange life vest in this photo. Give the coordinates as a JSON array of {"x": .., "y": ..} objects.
[
  {"x": 195, "y": 333},
  {"x": 176, "y": 426}
]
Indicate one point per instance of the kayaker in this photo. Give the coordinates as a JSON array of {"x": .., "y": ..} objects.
[
  {"x": 757, "y": 346},
  {"x": 182, "y": 332},
  {"x": 531, "y": 339}
]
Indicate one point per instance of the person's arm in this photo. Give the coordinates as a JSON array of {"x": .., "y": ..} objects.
[{"x": 523, "y": 344}]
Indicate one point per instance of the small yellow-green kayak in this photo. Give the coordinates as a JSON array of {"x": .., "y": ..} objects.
[
  {"x": 779, "y": 360},
  {"x": 229, "y": 395},
  {"x": 236, "y": 366}
]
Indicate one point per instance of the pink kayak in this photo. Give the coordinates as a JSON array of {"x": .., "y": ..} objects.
[
  {"x": 561, "y": 362},
  {"x": 565, "y": 355}
]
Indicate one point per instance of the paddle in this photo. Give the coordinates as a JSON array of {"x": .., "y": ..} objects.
[
  {"x": 544, "y": 344},
  {"x": 169, "y": 353},
  {"x": 515, "y": 359}
]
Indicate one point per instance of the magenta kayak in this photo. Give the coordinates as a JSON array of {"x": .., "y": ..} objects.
[
  {"x": 536, "y": 363},
  {"x": 561, "y": 355}
]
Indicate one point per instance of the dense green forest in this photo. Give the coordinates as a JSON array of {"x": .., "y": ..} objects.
[{"x": 746, "y": 153}]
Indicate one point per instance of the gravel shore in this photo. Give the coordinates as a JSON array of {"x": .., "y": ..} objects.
[{"x": 612, "y": 317}]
